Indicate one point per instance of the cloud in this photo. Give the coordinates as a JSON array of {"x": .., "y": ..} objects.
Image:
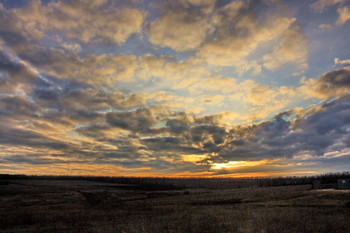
[
  {"x": 208, "y": 84},
  {"x": 137, "y": 121},
  {"x": 48, "y": 116},
  {"x": 74, "y": 47},
  {"x": 180, "y": 29},
  {"x": 193, "y": 135},
  {"x": 337, "y": 61},
  {"x": 227, "y": 35},
  {"x": 17, "y": 136},
  {"x": 258, "y": 100},
  {"x": 168, "y": 145},
  {"x": 85, "y": 22},
  {"x": 261, "y": 95},
  {"x": 291, "y": 49},
  {"x": 233, "y": 42},
  {"x": 138, "y": 138},
  {"x": 344, "y": 15},
  {"x": 324, "y": 26},
  {"x": 314, "y": 134},
  {"x": 17, "y": 108},
  {"x": 92, "y": 69},
  {"x": 332, "y": 84},
  {"x": 320, "y": 5},
  {"x": 165, "y": 70},
  {"x": 266, "y": 101},
  {"x": 16, "y": 75},
  {"x": 205, "y": 6}
]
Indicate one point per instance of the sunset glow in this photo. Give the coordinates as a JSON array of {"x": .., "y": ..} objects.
[{"x": 236, "y": 164}]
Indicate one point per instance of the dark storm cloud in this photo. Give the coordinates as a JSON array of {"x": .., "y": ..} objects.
[
  {"x": 64, "y": 98},
  {"x": 172, "y": 145},
  {"x": 336, "y": 78},
  {"x": 333, "y": 83},
  {"x": 143, "y": 122},
  {"x": 177, "y": 126},
  {"x": 186, "y": 135},
  {"x": 137, "y": 121},
  {"x": 199, "y": 133}
]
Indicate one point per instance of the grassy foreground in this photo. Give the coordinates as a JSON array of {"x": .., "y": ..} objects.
[{"x": 28, "y": 205}]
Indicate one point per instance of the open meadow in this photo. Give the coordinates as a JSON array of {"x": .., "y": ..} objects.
[{"x": 40, "y": 205}]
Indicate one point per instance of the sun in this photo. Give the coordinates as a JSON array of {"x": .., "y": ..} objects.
[{"x": 236, "y": 164}]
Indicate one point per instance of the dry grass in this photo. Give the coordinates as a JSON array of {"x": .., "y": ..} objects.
[{"x": 99, "y": 208}]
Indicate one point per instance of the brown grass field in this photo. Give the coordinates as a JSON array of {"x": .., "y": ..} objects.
[{"x": 101, "y": 207}]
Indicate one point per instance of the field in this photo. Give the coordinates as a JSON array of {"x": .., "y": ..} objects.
[{"x": 68, "y": 205}]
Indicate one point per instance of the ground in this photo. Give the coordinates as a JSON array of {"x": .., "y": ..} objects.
[{"x": 103, "y": 207}]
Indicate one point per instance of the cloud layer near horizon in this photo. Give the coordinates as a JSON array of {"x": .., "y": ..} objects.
[{"x": 185, "y": 88}]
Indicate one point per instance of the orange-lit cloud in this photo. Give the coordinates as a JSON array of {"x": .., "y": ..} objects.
[
  {"x": 344, "y": 15},
  {"x": 321, "y": 5}
]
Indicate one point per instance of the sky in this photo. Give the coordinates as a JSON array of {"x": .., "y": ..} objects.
[{"x": 186, "y": 88}]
